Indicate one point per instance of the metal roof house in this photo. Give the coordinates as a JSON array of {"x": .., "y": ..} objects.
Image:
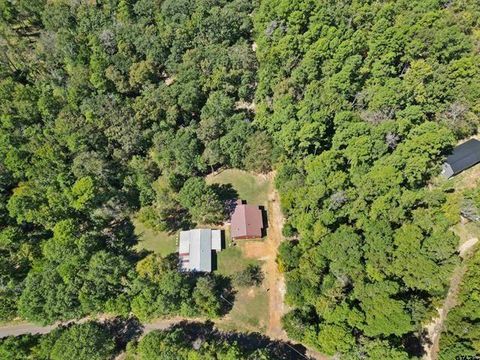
[
  {"x": 196, "y": 249},
  {"x": 463, "y": 156},
  {"x": 246, "y": 222}
]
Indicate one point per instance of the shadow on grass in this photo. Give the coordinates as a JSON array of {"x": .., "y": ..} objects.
[
  {"x": 196, "y": 331},
  {"x": 228, "y": 195}
]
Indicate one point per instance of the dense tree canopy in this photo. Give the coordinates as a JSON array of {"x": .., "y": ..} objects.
[
  {"x": 175, "y": 344},
  {"x": 364, "y": 99},
  {"x": 103, "y": 341},
  {"x": 88, "y": 341},
  {"x": 461, "y": 333},
  {"x": 111, "y": 109},
  {"x": 160, "y": 289}
]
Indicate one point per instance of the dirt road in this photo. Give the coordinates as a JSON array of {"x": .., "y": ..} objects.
[
  {"x": 435, "y": 328},
  {"x": 27, "y": 328},
  {"x": 24, "y": 328},
  {"x": 275, "y": 280}
]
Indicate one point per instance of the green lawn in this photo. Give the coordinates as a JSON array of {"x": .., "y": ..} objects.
[
  {"x": 157, "y": 241},
  {"x": 250, "y": 310},
  {"x": 249, "y": 313},
  {"x": 254, "y": 189},
  {"x": 231, "y": 260}
]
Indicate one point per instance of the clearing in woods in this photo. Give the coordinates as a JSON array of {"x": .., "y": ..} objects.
[
  {"x": 266, "y": 250},
  {"x": 259, "y": 190},
  {"x": 160, "y": 242}
]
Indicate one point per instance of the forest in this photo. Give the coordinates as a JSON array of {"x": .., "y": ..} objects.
[
  {"x": 99, "y": 341},
  {"x": 364, "y": 108},
  {"x": 111, "y": 109},
  {"x": 106, "y": 110},
  {"x": 462, "y": 333}
]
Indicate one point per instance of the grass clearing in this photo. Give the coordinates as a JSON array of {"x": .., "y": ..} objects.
[
  {"x": 232, "y": 260},
  {"x": 250, "y": 311},
  {"x": 251, "y": 307},
  {"x": 159, "y": 242},
  {"x": 462, "y": 182},
  {"x": 468, "y": 179},
  {"x": 252, "y": 188}
]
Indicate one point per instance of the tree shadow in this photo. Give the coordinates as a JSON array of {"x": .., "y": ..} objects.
[
  {"x": 413, "y": 344},
  {"x": 124, "y": 330},
  {"x": 223, "y": 289},
  {"x": 226, "y": 292},
  {"x": 178, "y": 219},
  {"x": 120, "y": 235},
  {"x": 228, "y": 195},
  {"x": 196, "y": 331}
]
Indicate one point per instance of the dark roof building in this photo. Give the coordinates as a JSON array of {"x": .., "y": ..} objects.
[
  {"x": 463, "y": 156},
  {"x": 246, "y": 222}
]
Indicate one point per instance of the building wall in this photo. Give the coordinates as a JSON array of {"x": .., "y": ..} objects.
[
  {"x": 447, "y": 171},
  {"x": 246, "y": 237}
]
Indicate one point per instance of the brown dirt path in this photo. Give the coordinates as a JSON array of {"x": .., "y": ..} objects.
[
  {"x": 468, "y": 239},
  {"x": 275, "y": 279},
  {"x": 435, "y": 328},
  {"x": 267, "y": 250}
]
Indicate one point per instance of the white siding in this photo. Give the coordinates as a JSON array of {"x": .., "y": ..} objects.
[
  {"x": 184, "y": 245},
  {"x": 216, "y": 240}
]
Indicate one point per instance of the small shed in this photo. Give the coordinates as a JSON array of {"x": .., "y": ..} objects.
[
  {"x": 246, "y": 222},
  {"x": 463, "y": 157}
]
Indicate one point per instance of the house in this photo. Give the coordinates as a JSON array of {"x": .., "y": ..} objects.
[
  {"x": 463, "y": 156},
  {"x": 196, "y": 249},
  {"x": 246, "y": 222}
]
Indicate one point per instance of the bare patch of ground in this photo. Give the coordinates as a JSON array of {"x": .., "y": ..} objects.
[
  {"x": 465, "y": 248},
  {"x": 469, "y": 178},
  {"x": 243, "y": 105},
  {"x": 275, "y": 280},
  {"x": 255, "y": 250}
]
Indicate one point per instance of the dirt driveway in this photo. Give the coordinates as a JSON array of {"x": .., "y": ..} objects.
[{"x": 266, "y": 250}]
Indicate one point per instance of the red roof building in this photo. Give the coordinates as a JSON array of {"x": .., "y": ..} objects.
[{"x": 246, "y": 222}]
